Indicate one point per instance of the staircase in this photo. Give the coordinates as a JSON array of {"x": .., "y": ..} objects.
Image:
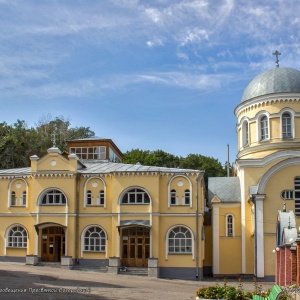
[{"x": 134, "y": 271}]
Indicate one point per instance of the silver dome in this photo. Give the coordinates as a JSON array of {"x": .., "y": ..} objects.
[{"x": 278, "y": 80}]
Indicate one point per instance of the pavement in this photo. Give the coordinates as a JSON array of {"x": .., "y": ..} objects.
[{"x": 20, "y": 281}]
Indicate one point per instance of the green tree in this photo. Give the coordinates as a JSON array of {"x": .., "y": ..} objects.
[
  {"x": 18, "y": 142},
  {"x": 158, "y": 158}
]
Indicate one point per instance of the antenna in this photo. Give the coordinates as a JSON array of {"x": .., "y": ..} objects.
[{"x": 227, "y": 160}]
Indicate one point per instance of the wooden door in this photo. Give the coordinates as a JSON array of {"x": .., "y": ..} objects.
[
  {"x": 136, "y": 247},
  {"x": 53, "y": 244}
]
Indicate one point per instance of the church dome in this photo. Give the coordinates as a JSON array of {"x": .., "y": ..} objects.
[{"x": 278, "y": 80}]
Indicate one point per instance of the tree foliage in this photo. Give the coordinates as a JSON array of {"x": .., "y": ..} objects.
[
  {"x": 211, "y": 166},
  {"x": 18, "y": 141}
]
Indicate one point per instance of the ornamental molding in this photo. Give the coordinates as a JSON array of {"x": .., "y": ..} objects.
[
  {"x": 53, "y": 175},
  {"x": 262, "y": 162},
  {"x": 275, "y": 169},
  {"x": 146, "y": 174},
  {"x": 263, "y": 101}
]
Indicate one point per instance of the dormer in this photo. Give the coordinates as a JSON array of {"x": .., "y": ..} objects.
[
  {"x": 55, "y": 161},
  {"x": 95, "y": 148}
]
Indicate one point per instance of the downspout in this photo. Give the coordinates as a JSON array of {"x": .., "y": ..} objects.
[
  {"x": 77, "y": 217},
  {"x": 197, "y": 222}
]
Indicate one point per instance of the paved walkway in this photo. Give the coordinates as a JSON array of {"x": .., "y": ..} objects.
[{"x": 18, "y": 281}]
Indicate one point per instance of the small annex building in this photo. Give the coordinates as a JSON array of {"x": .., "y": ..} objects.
[{"x": 86, "y": 206}]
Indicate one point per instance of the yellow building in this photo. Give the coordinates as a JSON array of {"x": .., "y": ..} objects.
[
  {"x": 88, "y": 209},
  {"x": 245, "y": 208}
]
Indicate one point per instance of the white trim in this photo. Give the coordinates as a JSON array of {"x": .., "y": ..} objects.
[
  {"x": 226, "y": 224},
  {"x": 258, "y": 117},
  {"x": 9, "y": 192},
  {"x": 215, "y": 240},
  {"x": 266, "y": 99},
  {"x": 169, "y": 190},
  {"x": 262, "y": 162},
  {"x": 82, "y": 240},
  {"x": 45, "y": 191},
  {"x": 6, "y": 237},
  {"x": 84, "y": 191},
  {"x": 167, "y": 241},
  {"x": 243, "y": 219},
  {"x": 292, "y": 114},
  {"x": 260, "y": 259},
  {"x": 281, "y": 165}
]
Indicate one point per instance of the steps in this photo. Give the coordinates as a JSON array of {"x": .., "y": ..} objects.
[{"x": 134, "y": 271}]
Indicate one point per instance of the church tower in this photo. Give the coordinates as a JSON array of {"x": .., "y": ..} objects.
[{"x": 267, "y": 168}]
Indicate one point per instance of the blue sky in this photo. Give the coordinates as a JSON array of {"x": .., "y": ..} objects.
[{"x": 149, "y": 74}]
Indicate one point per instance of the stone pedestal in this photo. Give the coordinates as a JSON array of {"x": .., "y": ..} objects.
[
  {"x": 32, "y": 260},
  {"x": 153, "y": 269},
  {"x": 67, "y": 262},
  {"x": 114, "y": 265}
]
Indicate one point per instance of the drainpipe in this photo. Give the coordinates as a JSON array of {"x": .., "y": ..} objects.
[{"x": 197, "y": 222}]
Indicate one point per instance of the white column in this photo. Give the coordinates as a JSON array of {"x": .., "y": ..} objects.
[
  {"x": 259, "y": 221},
  {"x": 216, "y": 237},
  {"x": 243, "y": 219}
]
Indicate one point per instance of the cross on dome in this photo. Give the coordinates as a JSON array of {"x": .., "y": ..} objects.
[{"x": 276, "y": 53}]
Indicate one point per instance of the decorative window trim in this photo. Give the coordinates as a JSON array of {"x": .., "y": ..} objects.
[
  {"x": 98, "y": 197},
  {"x": 19, "y": 202},
  {"x": 13, "y": 241},
  {"x": 259, "y": 118},
  {"x": 83, "y": 240},
  {"x": 168, "y": 245},
  {"x": 173, "y": 197},
  {"x": 138, "y": 194},
  {"x": 245, "y": 133},
  {"x": 229, "y": 225},
  {"x": 183, "y": 199},
  {"x": 292, "y": 117},
  {"x": 63, "y": 200}
]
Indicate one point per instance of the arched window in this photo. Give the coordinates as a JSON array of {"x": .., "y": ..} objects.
[
  {"x": 245, "y": 133},
  {"x": 53, "y": 197},
  {"x": 264, "y": 128},
  {"x": 94, "y": 240},
  {"x": 187, "y": 197},
  {"x": 229, "y": 225},
  {"x": 89, "y": 198},
  {"x": 101, "y": 198},
  {"x": 286, "y": 121},
  {"x": 13, "y": 199},
  {"x": 135, "y": 196},
  {"x": 17, "y": 237},
  {"x": 180, "y": 240},
  {"x": 173, "y": 197}
]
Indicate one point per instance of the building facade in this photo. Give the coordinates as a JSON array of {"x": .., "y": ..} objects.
[
  {"x": 268, "y": 175},
  {"x": 95, "y": 207}
]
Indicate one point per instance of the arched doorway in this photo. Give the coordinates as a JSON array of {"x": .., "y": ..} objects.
[
  {"x": 135, "y": 246},
  {"x": 53, "y": 243}
]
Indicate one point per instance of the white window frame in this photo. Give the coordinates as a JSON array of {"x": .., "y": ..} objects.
[
  {"x": 172, "y": 188},
  {"x": 173, "y": 197},
  {"x": 14, "y": 241},
  {"x": 292, "y": 117},
  {"x": 135, "y": 193},
  {"x": 245, "y": 133},
  {"x": 264, "y": 128},
  {"x": 18, "y": 201},
  {"x": 230, "y": 226},
  {"x": 88, "y": 247},
  {"x": 53, "y": 192},
  {"x": 171, "y": 229},
  {"x": 98, "y": 192}
]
